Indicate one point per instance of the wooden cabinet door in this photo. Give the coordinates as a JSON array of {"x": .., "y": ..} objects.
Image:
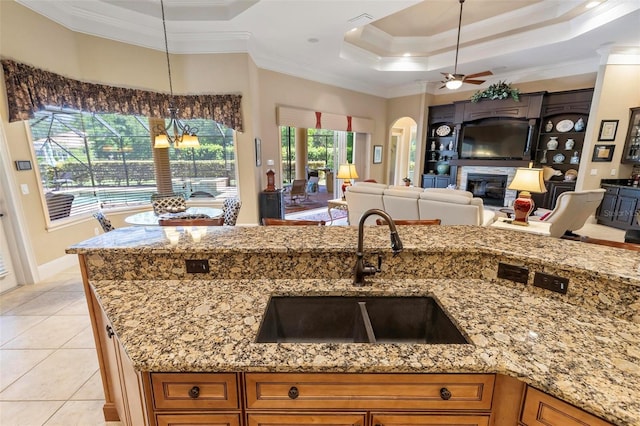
[
  {"x": 540, "y": 409},
  {"x": 427, "y": 420},
  {"x": 332, "y": 419},
  {"x": 607, "y": 209},
  {"x": 625, "y": 211},
  {"x": 198, "y": 419}
]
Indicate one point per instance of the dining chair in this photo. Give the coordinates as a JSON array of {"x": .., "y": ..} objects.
[
  {"x": 212, "y": 221},
  {"x": 104, "y": 222},
  {"x": 410, "y": 222},
  {"x": 169, "y": 203},
  {"x": 231, "y": 210},
  {"x": 268, "y": 221}
]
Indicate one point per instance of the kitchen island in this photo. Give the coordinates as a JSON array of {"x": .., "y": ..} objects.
[{"x": 581, "y": 347}]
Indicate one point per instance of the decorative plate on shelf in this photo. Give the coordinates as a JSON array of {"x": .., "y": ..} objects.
[
  {"x": 444, "y": 130},
  {"x": 558, "y": 158},
  {"x": 564, "y": 126}
]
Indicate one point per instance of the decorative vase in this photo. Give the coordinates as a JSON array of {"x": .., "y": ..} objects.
[
  {"x": 553, "y": 143},
  {"x": 548, "y": 127},
  {"x": 433, "y": 146},
  {"x": 543, "y": 160},
  {"x": 441, "y": 147},
  {"x": 575, "y": 159},
  {"x": 443, "y": 168},
  {"x": 569, "y": 144},
  {"x": 451, "y": 146},
  {"x": 579, "y": 126}
]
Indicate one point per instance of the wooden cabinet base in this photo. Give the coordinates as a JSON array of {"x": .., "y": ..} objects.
[
  {"x": 540, "y": 409},
  {"x": 198, "y": 419},
  {"x": 333, "y": 419},
  {"x": 427, "y": 420}
]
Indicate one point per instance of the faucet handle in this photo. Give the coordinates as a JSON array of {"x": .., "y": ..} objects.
[{"x": 371, "y": 269}]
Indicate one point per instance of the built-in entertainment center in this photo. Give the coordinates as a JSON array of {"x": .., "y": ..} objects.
[{"x": 499, "y": 135}]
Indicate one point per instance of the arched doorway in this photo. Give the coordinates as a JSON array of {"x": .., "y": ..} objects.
[{"x": 402, "y": 151}]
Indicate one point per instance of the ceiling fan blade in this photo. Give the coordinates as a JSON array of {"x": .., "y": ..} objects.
[
  {"x": 479, "y": 74},
  {"x": 447, "y": 75},
  {"x": 443, "y": 86},
  {"x": 474, "y": 81}
]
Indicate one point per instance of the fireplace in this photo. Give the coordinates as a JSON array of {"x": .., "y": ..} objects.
[{"x": 491, "y": 188}]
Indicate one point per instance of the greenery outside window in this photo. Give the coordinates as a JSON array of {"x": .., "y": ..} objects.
[{"x": 91, "y": 161}]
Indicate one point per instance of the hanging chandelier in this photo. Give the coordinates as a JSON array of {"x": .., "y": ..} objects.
[{"x": 183, "y": 136}]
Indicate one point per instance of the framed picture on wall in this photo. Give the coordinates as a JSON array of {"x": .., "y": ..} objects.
[
  {"x": 608, "y": 130},
  {"x": 377, "y": 154},
  {"x": 258, "y": 152},
  {"x": 603, "y": 153}
]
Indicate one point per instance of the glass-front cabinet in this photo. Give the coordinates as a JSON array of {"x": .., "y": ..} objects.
[{"x": 631, "y": 152}]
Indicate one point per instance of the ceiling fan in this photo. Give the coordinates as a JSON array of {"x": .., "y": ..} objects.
[{"x": 455, "y": 80}]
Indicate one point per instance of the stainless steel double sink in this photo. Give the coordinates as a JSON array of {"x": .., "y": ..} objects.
[{"x": 350, "y": 319}]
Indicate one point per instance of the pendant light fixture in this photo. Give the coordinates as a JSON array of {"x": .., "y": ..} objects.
[{"x": 183, "y": 135}]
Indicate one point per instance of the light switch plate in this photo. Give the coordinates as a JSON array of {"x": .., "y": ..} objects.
[
  {"x": 613, "y": 172},
  {"x": 24, "y": 188},
  {"x": 594, "y": 172}
]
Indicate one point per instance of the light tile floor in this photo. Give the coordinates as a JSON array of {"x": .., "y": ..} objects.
[{"x": 48, "y": 363}]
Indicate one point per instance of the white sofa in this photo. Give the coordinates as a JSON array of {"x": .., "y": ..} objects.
[
  {"x": 362, "y": 196},
  {"x": 452, "y": 207}
]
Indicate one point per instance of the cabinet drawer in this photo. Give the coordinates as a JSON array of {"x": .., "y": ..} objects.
[
  {"x": 198, "y": 419},
  {"x": 194, "y": 391},
  {"x": 544, "y": 410},
  {"x": 629, "y": 192},
  {"x": 369, "y": 391},
  {"x": 332, "y": 419},
  {"x": 426, "y": 420}
]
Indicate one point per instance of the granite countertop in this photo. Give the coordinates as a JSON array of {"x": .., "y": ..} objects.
[
  {"x": 605, "y": 262},
  {"x": 575, "y": 354}
]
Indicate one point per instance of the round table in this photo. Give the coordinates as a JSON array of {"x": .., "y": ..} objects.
[{"x": 150, "y": 218}]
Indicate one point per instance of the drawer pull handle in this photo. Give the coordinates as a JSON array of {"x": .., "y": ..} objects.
[
  {"x": 445, "y": 394},
  {"x": 110, "y": 332},
  {"x": 293, "y": 392},
  {"x": 194, "y": 392}
]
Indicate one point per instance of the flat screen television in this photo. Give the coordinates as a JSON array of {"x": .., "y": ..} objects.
[{"x": 495, "y": 139}]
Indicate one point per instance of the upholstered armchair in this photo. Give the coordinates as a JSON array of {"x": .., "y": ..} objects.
[{"x": 572, "y": 210}]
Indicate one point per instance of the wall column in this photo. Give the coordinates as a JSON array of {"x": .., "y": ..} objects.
[
  {"x": 301, "y": 153},
  {"x": 161, "y": 162}
]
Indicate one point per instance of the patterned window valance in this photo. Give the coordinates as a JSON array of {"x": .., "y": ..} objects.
[{"x": 30, "y": 89}]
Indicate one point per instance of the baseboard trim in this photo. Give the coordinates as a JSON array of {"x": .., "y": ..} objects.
[{"x": 56, "y": 266}]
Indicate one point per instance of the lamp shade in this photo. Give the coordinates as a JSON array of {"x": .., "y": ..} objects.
[
  {"x": 161, "y": 141},
  {"x": 530, "y": 180},
  {"x": 347, "y": 171}
]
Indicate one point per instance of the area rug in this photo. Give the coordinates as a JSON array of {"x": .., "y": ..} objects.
[
  {"x": 303, "y": 205},
  {"x": 320, "y": 214}
]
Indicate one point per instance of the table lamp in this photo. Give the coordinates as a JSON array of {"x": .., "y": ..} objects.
[
  {"x": 526, "y": 180},
  {"x": 347, "y": 172}
]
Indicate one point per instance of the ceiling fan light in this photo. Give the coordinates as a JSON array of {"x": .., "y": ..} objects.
[{"x": 453, "y": 84}]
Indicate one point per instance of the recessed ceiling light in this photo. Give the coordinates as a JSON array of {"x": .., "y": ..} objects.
[
  {"x": 593, "y": 4},
  {"x": 406, "y": 54}
]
